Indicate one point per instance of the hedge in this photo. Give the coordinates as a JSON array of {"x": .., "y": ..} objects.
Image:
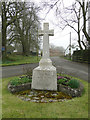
[{"x": 81, "y": 56}]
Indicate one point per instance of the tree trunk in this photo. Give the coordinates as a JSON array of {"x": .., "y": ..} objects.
[
  {"x": 4, "y": 39},
  {"x": 79, "y": 42},
  {"x": 84, "y": 23},
  {"x": 84, "y": 45},
  {"x": 79, "y": 38},
  {"x": 4, "y": 30},
  {"x": 25, "y": 48}
]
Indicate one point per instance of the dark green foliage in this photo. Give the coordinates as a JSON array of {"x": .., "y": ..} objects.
[
  {"x": 67, "y": 81},
  {"x": 80, "y": 56},
  {"x": 74, "y": 83},
  {"x": 20, "y": 80},
  {"x": 62, "y": 81}
]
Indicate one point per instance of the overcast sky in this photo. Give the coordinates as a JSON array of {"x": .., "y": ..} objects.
[{"x": 60, "y": 38}]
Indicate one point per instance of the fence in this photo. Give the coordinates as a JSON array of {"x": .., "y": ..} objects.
[{"x": 81, "y": 56}]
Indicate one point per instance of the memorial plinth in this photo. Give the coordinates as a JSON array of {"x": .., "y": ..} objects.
[{"x": 45, "y": 76}]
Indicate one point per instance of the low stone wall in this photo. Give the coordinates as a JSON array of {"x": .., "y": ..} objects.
[
  {"x": 23, "y": 87},
  {"x": 71, "y": 91},
  {"x": 60, "y": 88}
]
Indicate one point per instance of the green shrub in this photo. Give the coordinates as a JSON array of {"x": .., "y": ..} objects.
[
  {"x": 62, "y": 81},
  {"x": 74, "y": 83},
  {"x": 21, "y": 80}
]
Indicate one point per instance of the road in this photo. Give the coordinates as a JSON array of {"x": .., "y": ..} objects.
[
  {"x": 79, "y": 70},
  {"x": 75, "y": 69}
]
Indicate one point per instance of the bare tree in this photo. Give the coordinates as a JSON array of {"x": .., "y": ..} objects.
[
  {"x": 84, "y": 7},
  {"x": 71, "y": 16},
  {"x": 24, "y": 30},
  {"x": 10, "y": 12},
  {"x": 59, "y": 48},
  {"x": 19, "y": 24}
]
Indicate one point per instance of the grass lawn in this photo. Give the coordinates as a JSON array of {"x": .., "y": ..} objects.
[
  {"x": 13, "y": 107},
  {"x": 0, "y": 98},
  {"x": 19, "y": 59}
]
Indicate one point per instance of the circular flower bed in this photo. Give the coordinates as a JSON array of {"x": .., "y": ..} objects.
[
  {"x": 67, "y": 87},
  {"x": 42, "y": 96}
]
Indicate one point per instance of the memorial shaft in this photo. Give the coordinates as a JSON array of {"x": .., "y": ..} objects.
[{"x": 45, "y": 76}]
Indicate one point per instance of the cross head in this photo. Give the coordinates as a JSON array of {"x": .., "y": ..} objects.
[{"x": 46, "y": 33}]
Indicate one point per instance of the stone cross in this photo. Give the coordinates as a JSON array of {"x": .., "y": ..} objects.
[
  {"x": 45, "y": 76},
  {"x": 46, "y": 33}
]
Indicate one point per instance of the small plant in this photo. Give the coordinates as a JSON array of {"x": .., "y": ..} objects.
[
  {"x": 20, "y": 80},
  {"x": 62, "y": 81},
  {"x": 74, "y": 83},
  {"x": 60, "y": 77},
  {"x": 14, "y": 81},
  {"x": 28, "y": 72}
]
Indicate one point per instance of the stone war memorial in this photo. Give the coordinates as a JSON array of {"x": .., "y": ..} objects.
[
  {"x": 44, "y": 85},
  {"x": 45, "y": 75}
]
